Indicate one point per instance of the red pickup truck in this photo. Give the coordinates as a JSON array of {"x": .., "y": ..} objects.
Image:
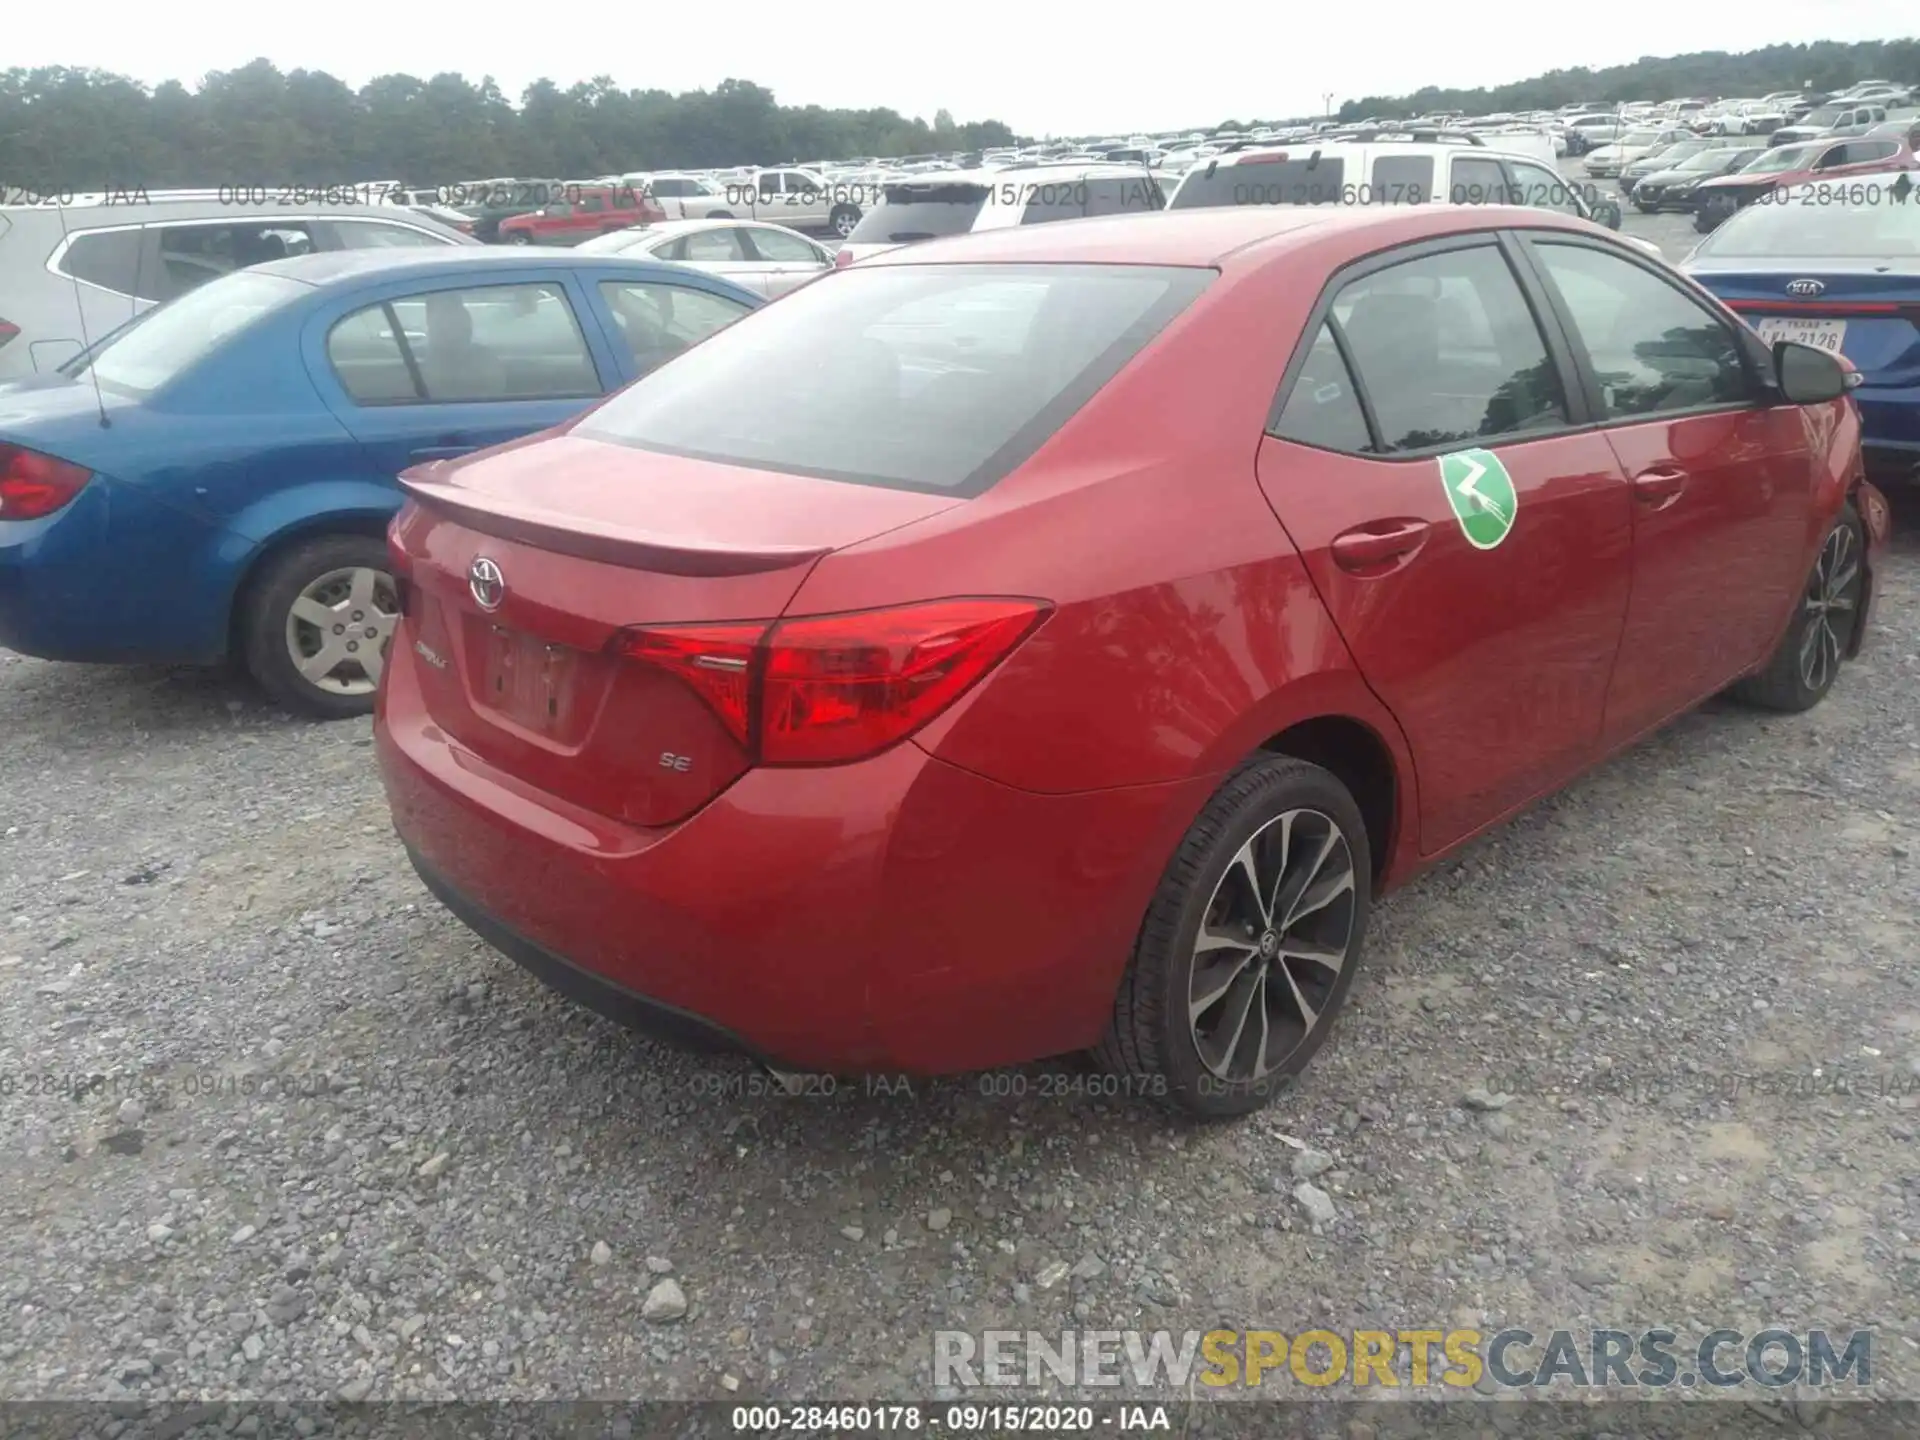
[{"x": 580, "y": 212}]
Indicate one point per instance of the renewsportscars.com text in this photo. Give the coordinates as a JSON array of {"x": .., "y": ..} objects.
[{"x": 1414, "y": 1358}]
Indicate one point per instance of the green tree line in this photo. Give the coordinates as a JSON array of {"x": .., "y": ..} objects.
[
  {"x": 1709, "y": 74},
  {"x": 76, "y": 129}
]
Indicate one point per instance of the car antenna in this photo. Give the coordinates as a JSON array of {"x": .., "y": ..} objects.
[{"x": 80, "y": 310}]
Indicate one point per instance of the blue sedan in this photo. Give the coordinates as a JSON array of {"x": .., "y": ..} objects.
[
  {"x": 214, "y": 480},
  {"x": 1837, "y": 266}
]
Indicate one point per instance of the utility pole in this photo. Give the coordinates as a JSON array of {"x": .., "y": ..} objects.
[{"x": 1326, "y": 100}]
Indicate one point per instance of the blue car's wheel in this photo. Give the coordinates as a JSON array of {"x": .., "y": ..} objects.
[{"x": 318, "y": 622}]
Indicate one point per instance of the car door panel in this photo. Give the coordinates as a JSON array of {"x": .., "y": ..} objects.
[
  {"x": 1494, "y": 657},
  {"x": 1721, "y": 484}
]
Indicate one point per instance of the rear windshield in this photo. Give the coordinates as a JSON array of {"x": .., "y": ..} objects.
[
  {"x": 1855, "y": 222},
  {"x": 940, "y": 378},
  {"x": 907, "y": 213},
  {"x": 1302, "y": 180},
  {"x": 167, "y": 340}
]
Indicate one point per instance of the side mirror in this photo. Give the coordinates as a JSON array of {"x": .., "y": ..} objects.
[
  {"x": 1607, "y": 213},
  {"x": 1807, "y": 375}
]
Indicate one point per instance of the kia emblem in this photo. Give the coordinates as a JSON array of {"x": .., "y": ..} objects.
[
  {"x": 488, "y": 585},
  {"x": 1806, "y": 287}
]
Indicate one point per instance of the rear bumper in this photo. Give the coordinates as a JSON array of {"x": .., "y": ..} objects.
[
  {"x": 896, "y": 914},
  {"x": 68, "y": 591},
  {"x": 596, "y": 992}
]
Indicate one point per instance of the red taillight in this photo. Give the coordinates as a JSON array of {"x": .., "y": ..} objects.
[
  {"x": 716, "y": 660},
  {"x": 32, "y": 484},
  {"x": 841, "y": 258},
  {"x": 826, "y": 689},
  {"x": 8, "y": 330}
]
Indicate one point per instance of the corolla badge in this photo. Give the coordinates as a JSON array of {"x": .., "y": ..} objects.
[
  {"x": 1806, "y": 287},
  {"x": 488, "y": 585}
]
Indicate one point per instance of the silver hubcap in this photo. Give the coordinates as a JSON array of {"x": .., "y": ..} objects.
[
  {"x": 1272, "y": 946},
  {"x": 338, "y": 629},
  {"x": 1829, "y": 609},
  {"x": 844, "y": 222}
]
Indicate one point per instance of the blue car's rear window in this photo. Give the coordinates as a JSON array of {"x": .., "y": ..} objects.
[{"x": 167, "y": 341}]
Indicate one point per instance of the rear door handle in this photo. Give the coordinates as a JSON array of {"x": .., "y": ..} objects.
[
  {"x": 1366, "y": 547},
  {"x": 1660, "y": 486}
]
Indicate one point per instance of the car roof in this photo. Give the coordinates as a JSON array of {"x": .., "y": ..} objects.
[
  {"x": 409, "y": 262},
  {"x": 1208, "y": 237}
]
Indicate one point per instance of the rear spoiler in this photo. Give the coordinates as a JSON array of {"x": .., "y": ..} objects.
[{"x": 550, "y": 530}]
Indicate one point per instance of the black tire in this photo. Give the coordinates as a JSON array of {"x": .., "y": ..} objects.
[
  {"x": 519, "y": 237},
  {"x": 265, "y": 620},
  {"x": 1806, "y": 663},
  {"x": 1151, "y": 1041},
  {"x": 843, "y": 219},
  {"x": 721, "y": 215}
]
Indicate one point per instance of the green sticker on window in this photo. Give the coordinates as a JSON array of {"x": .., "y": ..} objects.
[{"x": 1481, "y": 493}]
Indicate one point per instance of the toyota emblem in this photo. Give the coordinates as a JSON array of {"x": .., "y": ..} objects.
[
  {"x": 1806, "y": 287},
  {"x": 489, "y": 586}
]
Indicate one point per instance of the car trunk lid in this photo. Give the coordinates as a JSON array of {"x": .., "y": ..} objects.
[
  {"x": 1863, "y": 310},
  {"x": 524, "y": 567}
]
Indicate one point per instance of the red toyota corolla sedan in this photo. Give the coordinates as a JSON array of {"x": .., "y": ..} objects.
[{"x": 1055, "y": 638}]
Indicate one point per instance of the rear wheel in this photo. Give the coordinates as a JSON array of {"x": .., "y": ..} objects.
[
  {"x": 843, "y": 219},
  {"x": 519, "y": 237},
  {"x": 1250, "y": 945},
  {"x": 1818, "y": 637},
  {"x": 317, "y": 624}
]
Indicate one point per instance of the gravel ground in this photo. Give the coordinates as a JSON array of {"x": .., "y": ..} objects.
[{"x": 343, "y": 1148}]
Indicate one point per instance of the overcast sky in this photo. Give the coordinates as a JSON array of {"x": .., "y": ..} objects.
[{"x": 1042, "y": 69}]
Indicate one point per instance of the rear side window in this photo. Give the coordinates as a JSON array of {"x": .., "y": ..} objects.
[
  {"x": 1292, "y": 180},
  {"x": 907, "y": 213},
  {"x": 108, "y": 258},
  {"x": 777, "y": 247},
  {"x": 1323, "y": 409},
  {"x": 1447, "y": 350},
  {"x": 944, "y": 377},
  {"x": 191, "y": 255},
  {"x": 1402, "y": 179},
  {"x": 707, "y": 247},
  {"x": 1478, "y": 181},
  {"x": 657, "y": 322}
]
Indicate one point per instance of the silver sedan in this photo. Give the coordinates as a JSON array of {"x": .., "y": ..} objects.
[{"x": 769, "y": 259}]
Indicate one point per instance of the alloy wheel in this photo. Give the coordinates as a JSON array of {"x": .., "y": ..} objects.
[
  {"x": 1273, "y": 942},
  {"x": 845, "y": 223},
  {"x": 339, "y": 627},
  {"x": 1829, "y": 609}
]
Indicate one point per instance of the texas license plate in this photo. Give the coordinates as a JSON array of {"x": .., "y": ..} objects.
[
  {"x": 527, "y": 680},
  {"x": 1821, "y": 334}
]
